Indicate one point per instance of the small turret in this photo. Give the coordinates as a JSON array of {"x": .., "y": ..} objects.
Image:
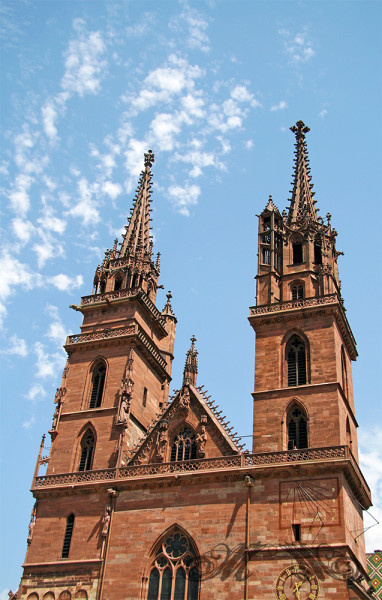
[{"x": 191, "y": 367}]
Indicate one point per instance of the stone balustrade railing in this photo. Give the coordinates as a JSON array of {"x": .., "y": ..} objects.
[
  {"x": 293, "y": 304},
  {"x": 199, "y": 465}
]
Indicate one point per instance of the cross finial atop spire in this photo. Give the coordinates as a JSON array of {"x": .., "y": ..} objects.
[
  {"x": 149, "y": 159},
  {"x": 191, "y": 367},
  {"x": 300, "y": 129},
  {"x": 167, "y": 311}
]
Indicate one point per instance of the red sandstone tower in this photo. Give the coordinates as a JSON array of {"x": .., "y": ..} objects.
[{"x": 151, "y": 498}]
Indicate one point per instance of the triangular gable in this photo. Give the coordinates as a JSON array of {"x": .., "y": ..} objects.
[{"x": 190, "y": 408}]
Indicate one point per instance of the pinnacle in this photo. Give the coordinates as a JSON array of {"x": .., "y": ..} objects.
[
  {"x": 167, "y": 311},
  {"x": 301, "y": 203},
  {"x": 191, "y": 366}
]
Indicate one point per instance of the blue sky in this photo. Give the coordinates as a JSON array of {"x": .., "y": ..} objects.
[{"x": 212, "y": 87}]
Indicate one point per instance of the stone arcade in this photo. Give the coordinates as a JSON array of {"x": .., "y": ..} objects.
[{"x": 148, "y": 497}]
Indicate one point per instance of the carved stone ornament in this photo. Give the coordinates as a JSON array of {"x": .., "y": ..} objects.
[
  {"x": 184, "y": 399},
  {"x": 106, "y": 522},
  {"x": 161, "y": 441},
  {"x": 31, "y": 525},
  {"x": 124, "y": 409},
  {"x": 201, "y": 440}
]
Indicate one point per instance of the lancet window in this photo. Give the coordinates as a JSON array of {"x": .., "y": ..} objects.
[
  {"x": 118, "y": 284},
  {"x": 317, "y": 251},
  {"x": 67, "y": 536},
  {"x": 297, "y": 290},
  {"x": 297, "y": 253},
  {"x": 184, "y": 446},
  {"x": 98, "y": 382},
  {"x": 297, "y": 425},
  {"x": 296, "y": 361},
  {"x": 174, "y": 573},
  {"x": 87, "y": 451}
]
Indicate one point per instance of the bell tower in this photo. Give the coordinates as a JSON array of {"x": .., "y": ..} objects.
[
  {"x": 119, "y": 367},
  {"x": 303, "y": 403}
]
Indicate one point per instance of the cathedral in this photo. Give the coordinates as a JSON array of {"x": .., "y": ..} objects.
[{"x": 148, "y": 496}]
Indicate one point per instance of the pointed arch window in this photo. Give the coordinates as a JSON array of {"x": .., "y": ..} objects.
[
  {"x": 87, "y": 451},
  {"x": 344, "y": 372},
  {"x": 102, "y": 286},
  {"x": 174, "y": 573},
  {"x": 317, "y": 251},
  {"x": 98, "y": 382},
  {"x": 297, "y": 252},
  {"x": 297, "y": 290},
  {"x": 349, "y": 440},
  {"x": 118, "y": 284},
  {"x": 184, "y": 446},
  {"x": 297, "y": 424},
  {"x": 67, "y": 536},
  {"x": 296, "y": 361}
]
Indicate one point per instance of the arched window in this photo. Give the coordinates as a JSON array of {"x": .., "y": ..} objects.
[
  {"x": 102, "y": 286},
  {"x": 349, "y": 441},
  {"x": 87, "y": 451},
  {"x": 184, "y": 446},
  {"x": 317, "y": 251},
  {"x": 174, "y": 573},
  {"x": 296, "y": 361},
  {"x": 297, "y": 425},
  {"x": 118, "y": 284},
  {"x": 67, "y": 536},
  {"x": 98, "y": 381},
  {"x": 297, "y": 290},
  {"x": 297, "y": 252}
]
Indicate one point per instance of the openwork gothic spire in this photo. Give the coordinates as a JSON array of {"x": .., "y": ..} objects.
[
  {"x": 301, "y": 203},
  {"x": 191, "y": 367},
  {"x": 137, "y": 237}
]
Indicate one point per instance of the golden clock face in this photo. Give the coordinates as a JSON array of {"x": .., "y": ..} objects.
[{"x": 297, "y": 582}]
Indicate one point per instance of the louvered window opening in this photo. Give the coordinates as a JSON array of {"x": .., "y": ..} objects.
[
  {"x": 266, "y": 256},
  {"x": 87, "y": 450},
  {"x": 297, "y": 292},
  {"x": 317, "y": 254},
  {"x": 296, "y": 359},
  {"x": 118, "y": 284},
  {"x": 297, "y": 429},
  {"x": 184, "y": 446},
  {"x": 97, "y": 389},
  {"x": 67, "y": 536},
  {"x": 174, "y": 573}
]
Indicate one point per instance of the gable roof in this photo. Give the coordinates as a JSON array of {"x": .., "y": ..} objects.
[{"x": 188, "y": 399}]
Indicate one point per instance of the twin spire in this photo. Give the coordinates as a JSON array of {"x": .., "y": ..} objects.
[
  {"x": 302, "y": 203},
  {"x": 137, "y": 237}
]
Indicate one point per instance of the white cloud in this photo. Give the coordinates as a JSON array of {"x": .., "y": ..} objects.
[
  {"x": 36, "y": 392},
  {"x": 46, "y": 249},
  {"x": 113, "y": 190},
  {"x": 19, "y": 196},
  {"x": 64, "y": 283},
  {"x": 23, "y": 229},
  {"x": 249, "y": 144},
  {"x": 298, "y": 46},
  {"x": 282, "y": 105},
  {"x": 56, "y": 331},
  {"x": 184, "y": 197},
  {"x": 323, "y": 113},
  {"x": 17, "y": 347},
  {"x": 47, "y": 364},
  {"x": 196, "y": 27},
  {"x": 198, "y": 161},
  {"x": 49, "y": 116},
  {"x": 163, "y": 130},
  {"x": 50, "y": 222},
  {"x": 84, "y": 66},
  {"x": 241, "y": 94},
  {"x": 29, "y": 423},
  {"x": 86, "y": 208},
  {"x": 370, "y": 447}
]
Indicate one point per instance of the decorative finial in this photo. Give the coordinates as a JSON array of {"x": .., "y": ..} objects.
[
  {"x": 149, "y": 159},
  {"x": 191, "y": 367},
  {"x": 167, "y": 311},
  {"x": 300, "y": 129}
]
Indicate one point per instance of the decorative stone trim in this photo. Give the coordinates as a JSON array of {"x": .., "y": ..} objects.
[{"x": 293, "y": 304}]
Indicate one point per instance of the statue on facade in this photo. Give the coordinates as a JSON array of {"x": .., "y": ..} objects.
[
  {"x": 201, "y": 440},
  {"x": 106, "y": 521}
]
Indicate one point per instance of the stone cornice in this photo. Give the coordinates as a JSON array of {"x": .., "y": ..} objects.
[
  {"x": 299, "y": 309},
  {"x": 120, "y": 296}
]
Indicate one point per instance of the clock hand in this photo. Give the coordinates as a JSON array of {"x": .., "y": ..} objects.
[{"x": 296, "y": 589}]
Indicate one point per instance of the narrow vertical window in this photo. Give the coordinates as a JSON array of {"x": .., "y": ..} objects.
[
  {"x": 97, "y": 386},
  {"x": 297, "y": 429},
  {"x": 297, "y": 253},
  {"x": 266, "y": 256},
  {"x": 348, "y": 433},
  {"x": 144, "y": 399},
  {"x": 344, "y": 372},
  {"x": 102, "y": 286},
  {"x": 67, "y": 536},
  {"x": 296, "y": 361},
  {"x": 87, "y": 451},
  {"x": 118, "y": 284},
  {"x": 296, "y": 530},
  {"x": 317, "y": 253},
  {"x": 297, "y": 291}
]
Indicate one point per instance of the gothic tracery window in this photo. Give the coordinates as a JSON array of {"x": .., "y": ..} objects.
[
  {"x": 296, "y": 361},
  {"x": 174, "y": 573},
  {"x": 87, "y": 451},
  {"x": 184, "y": 446},
  {"x": 297, "y": 290},
  {"x": 297, "y": 428},
  {"x": 98, "y": 381}
]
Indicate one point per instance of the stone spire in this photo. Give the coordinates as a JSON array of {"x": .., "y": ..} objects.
[
  {"x": 301, "y": 203},
  {"x": 167, "y": 310},
  {"x": 137, "y": 239},
  {"x": 191, "y": 367}
]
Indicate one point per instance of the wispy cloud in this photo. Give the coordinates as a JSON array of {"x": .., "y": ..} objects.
[
  {"x": 298, "y": 46},
  {"x": 195, "y": 26},
  {"x": 184, "y": 197},
  {"x": 16, "y": 347},
  {"x": 282, "y": 105}
]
